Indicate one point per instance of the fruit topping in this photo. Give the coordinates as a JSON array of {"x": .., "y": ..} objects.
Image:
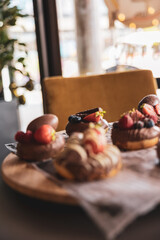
[
  {"x": 136, "y": 115},
  {"x": 74, "y": 119},
  {"x": 19, "y": 136},
  {"x": 24, "y": 137},
  {"x": 157, "y": 109},
  {"x": 149, "y": 111},
  {"x": 150, "y": 99},
  {"x": 94, "y": 117},
  {"x": 125, "y": 122},
  {"x": 138, "y": 125},
  {"x": 148, "y": 123},
  {"x": 45, "y": 134},
  {"x": 28, "y": 136},
  {"x": 115, "y": 125},
  {"x": 94, "y": 140}
]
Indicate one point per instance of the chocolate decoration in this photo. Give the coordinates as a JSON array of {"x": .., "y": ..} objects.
[
  {"x": 49, "y": 119},
  {"x": 87, "y": 112},
  {"x": 150, "y": 99}
]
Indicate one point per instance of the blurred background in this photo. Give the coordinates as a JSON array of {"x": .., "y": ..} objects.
[{"x": 73, "y": 37}]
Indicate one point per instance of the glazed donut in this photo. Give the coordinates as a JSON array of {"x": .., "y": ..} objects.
[
  {"x": 77, "y": 163},
  {"x": 80, "y": 121},
  {"x": 38, "y": 152},
  {"x": 40, "y": 141},
  {"x": 134, "y": 131},
  {"x": 134, "y": 139},
  {"x": 49, "y": 119}
]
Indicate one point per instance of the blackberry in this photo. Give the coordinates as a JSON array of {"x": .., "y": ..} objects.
[
  {"x": 148, "y": 123},
  {"x": 138, "y": 125},
  {"x": 74, "y": 119},
  {"x": 115, "y": 125}
]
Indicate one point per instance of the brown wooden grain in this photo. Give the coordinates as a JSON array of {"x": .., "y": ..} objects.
[{"x": 23, "y": 178}]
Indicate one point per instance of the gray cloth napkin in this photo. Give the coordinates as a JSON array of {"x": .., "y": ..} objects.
[{"x": 115, "y": 202}]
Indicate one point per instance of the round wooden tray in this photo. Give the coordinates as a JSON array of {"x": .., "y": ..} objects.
[{"x": 23, "y": 178}]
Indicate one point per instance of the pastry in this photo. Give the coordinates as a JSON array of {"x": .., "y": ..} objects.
[
  {"x": 150, "y": 106},
  {"x": 40, "y": 141},
  {"x": 87, "y": 156},
  {"x": 135, "y": 131},
  {"x": 81, "y": 120}
]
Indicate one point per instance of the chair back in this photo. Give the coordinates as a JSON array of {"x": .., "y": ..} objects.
[{"x": 115, "y": 92}]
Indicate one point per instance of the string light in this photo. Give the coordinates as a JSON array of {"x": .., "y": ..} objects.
[
  {"x": 151, "y": 10},
  {"x": 155, "y": 22},
  {"x": 121, "y": 17},
  {"x": 132, "y": 25}
]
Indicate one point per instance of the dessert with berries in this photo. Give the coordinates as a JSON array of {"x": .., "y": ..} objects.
[
  {"x": 135, "y": 131},
  {"x": 81, "y": 120},
  {"x": 150, "y": 106},
  {"x": 40, "y": 141},
  {"x": 87, "y": 156}
]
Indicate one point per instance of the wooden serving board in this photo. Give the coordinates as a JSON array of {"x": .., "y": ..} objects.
[{"x": 25, "y": 179}]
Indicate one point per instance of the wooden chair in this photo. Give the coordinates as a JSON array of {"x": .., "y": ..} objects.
[{"x": 114, "y": 92}]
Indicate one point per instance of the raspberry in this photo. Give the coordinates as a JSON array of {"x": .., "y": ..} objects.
[
  {"x": 125, "y": 122},
  {"x": 28, "y": 136},
  {"x": 20, "y": 136}
]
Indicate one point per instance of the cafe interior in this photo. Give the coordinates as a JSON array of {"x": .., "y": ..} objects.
[{"x": 79, "y": 119}]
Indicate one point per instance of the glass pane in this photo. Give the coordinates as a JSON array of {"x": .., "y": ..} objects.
[
  {"x": 24, "y": 31},
  {"x": 122, "y": 47}
]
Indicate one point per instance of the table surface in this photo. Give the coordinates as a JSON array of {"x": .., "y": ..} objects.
[{"x": 25, "y": 218}]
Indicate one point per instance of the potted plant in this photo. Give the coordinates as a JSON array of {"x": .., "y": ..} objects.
[{"x": 8, "y": 17}]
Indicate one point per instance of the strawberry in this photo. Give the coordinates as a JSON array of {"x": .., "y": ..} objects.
[
  {"x": 45, "y": 134},
  {"x": 20, "y": 136},
  {"x": 94, "y": 117},
  {"x": 157, "y": 109},
  {"x": 136, "y": 115},
  {"x": 28, "y": 137},
  {"x": 125, "y": 122},
  {"x": 94, "y": 140},
  {"x": 92, "y": 146},
  {"x": 149, "y": 111}
]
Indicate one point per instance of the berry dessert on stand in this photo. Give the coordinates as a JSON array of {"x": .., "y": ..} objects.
[
  {"x": 135, "y": 131},
  {"x": 40, "y": 141},
  {"x": 87, "y": 156},
  {"x": 81, "y": 120},
  {"x": 150, "y": 106}
]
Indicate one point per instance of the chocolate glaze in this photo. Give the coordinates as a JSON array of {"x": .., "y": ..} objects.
[
  {"x": 49, "y": 119},
  {"x": 134, "y": 134},
  {"x": 37, "y": 152},
  {"x": 82, "y": 126}
]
